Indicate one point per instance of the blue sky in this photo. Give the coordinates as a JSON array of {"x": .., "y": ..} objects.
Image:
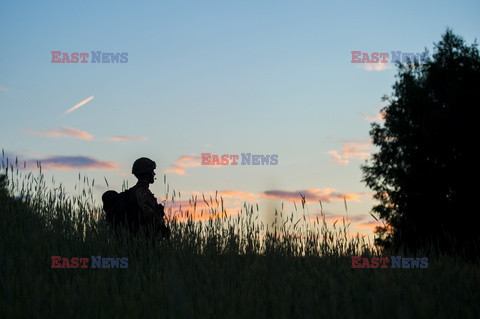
[{"x": 266, "y": 77}]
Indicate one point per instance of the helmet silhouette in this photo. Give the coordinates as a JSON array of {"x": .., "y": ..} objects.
[{"x": 143, "y": 165}]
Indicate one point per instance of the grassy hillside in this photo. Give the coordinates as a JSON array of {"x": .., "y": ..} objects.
[{"x": 224, "y": 268}]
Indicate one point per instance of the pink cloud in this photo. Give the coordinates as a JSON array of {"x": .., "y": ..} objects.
[
  {"x": 377, "y": 67},
  {"x": 75, "y": 162},
  {"x": 63, "y": 132},
  {"x": 238, "y": 194},
  {"x": 313, "y": 195},
  {"x": 351, "y": 151},
  {"x": 337, "y": 158},
  {"x": 185, "y": 204},
  {"x": 201, "y": 206},
  {"x": 4, "y": 89},
  {"x": 182, "y": 163},
  {"x": 330, "y": 219},
  {"x": 368, "y": 225},
  {"x": 209, "y": 204},
  {"x": 122, "y": 138}
]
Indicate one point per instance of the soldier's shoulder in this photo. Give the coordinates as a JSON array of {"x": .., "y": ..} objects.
[{"x": 142, "y": 192}]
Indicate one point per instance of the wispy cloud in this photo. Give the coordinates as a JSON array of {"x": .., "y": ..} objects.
[
  {"x": 123, "y": 138},
  {"x": 201, "y": 206},
  {"x": 59, "y": 162},
  {"x": 75, "y": 162},
  {"x": 332, "y": 218},
  {"x": 377, "y": 67},
  {"x": 369, "y": 225},
  {"x": 238, "y": 194},
  {"x": 78, "y": 105},
  {"x": 313, "y": 195},
  {"x": 351, "y": 151},
  {"x": 182, "y": 163},
  {"x": 337, "y": 158},
  {"x": 4, "y": 89},
  {"x": 208, "y": 204},
  {"x": 63, "y": 132}
]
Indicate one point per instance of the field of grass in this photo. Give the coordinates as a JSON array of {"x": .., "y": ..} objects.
[{"x": 225, "y": 267}]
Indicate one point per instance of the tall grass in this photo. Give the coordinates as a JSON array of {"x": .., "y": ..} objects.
[
  {"x": 214, "y": 231},
  {"x": 224, "y": 265}
]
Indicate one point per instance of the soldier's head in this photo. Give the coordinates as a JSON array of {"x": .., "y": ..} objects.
[{"x": 143, "y": 169}]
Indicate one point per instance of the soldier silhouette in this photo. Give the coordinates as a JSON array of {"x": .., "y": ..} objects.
[
  {"x": 148, "y": 215},
  {"x": 137, "y": 208}
]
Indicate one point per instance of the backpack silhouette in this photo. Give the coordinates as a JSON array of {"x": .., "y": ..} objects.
[{"x": 121, "y": 209}]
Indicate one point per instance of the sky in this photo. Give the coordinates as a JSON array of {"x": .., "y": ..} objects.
[{"x": 218, "y": 77}]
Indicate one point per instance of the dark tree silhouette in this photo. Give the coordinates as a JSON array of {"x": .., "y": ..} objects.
[{"x": 424, "y": 173}]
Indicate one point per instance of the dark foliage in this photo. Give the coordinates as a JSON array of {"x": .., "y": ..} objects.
[{"x": 423, "y": 169}]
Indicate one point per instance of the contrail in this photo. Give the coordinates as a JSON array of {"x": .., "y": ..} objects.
[{"x": 88, "y": 99}]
